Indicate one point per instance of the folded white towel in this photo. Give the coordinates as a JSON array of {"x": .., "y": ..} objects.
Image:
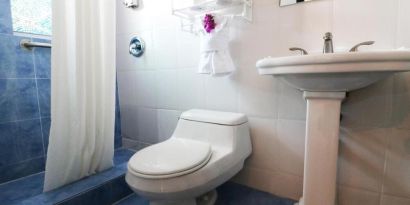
[{"x": 215, "y": 57}]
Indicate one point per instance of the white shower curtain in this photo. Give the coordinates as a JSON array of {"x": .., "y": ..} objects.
[{"x": 81, "y": 139}]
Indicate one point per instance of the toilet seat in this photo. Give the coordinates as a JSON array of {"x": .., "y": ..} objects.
[{"x": 171, "y": 158}]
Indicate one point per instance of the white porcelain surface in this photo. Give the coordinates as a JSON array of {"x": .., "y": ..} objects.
[
  {"x": 230, "y": 145},
  {"x": 223, "y": 118},
  {"x": 170, "y": 157},
  {"x": 336, "y": 71}
]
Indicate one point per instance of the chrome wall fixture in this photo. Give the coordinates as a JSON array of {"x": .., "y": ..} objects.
[
  {"x": 131, "y": 3},
  {"x": 137, "y": 47},
  {"x": 29, "y": 45}
]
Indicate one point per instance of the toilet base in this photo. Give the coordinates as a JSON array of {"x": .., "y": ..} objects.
[{"x": 208, "y": 198}]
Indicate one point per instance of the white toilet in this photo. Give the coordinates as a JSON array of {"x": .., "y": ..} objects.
[{"x": 206, "y": 149}]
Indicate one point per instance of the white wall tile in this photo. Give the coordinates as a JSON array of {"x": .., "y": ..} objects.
[
  {"x": 370, "y": 106},
  {"x": 165, "y": 48},
  {"x": 265, "y": 144},
  {"x": 304, "y": 25},
  {"x": 292, "y": 105},
  {"x": 167, "y": 85},
  {"x": 129, "y": 121},
  {"x": 167, "y": 122},
  {"x": 147, "y": 125},
  {"x": 188, "y": 49},
  {"x": 397, "y": 176},
  {"x": 126, "y": 85},
  {"x": 403, "y": 28},
  {"x": 191, "y": 89},
  {"x": 255, "y": 178},
  {"x": 365, "y": 20},
  {"x": 393, "y": 200},
  {"x": 287, "y": 185},
  {"x": 258, "y": 95},
  {"x": 291, "y": 135},
  {"x": 362, "y": 157},
  {"x": 221, "y": 93},
  {"x": 146, "y": 89},
  {"x": 401, "y": 101},
  {"x": 352, "y": 196}
]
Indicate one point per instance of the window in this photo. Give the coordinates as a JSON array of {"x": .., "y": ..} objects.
[{"x": 31, "y": 16}]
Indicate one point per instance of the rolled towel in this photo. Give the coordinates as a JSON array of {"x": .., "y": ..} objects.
[{"x": 215, "y": 58}]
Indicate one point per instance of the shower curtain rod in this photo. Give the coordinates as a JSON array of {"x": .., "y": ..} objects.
[{"x": 28, "y": 44}]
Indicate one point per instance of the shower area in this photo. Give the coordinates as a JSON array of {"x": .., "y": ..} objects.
[{"x": 25, "y": 81}]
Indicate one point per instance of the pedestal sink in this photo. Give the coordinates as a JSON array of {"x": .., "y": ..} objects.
[{"x": 325, "y": 79}]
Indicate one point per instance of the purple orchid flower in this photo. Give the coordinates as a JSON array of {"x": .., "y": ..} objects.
[{"x": 209, "y": 23}]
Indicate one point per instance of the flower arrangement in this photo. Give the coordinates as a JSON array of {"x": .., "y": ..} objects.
[{"x": 209, "y": 23}]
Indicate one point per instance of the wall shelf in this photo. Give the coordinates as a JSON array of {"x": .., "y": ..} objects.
[{"x": 191, "y": 10}]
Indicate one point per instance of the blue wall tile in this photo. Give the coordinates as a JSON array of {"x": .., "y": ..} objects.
[
  {"x": 44, "y": 92},
  {"x": 18, "y": 100},
  {"x": 15, "y": 62},
  {"x": 42, "y": 60},
  {"x": 22, "y": 169},
  {"x": 45, "y": 123},
  {"x": 20, "y": 141},
  {"x": 5, "y": 17}
]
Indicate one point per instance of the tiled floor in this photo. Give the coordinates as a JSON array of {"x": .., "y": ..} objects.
[
  {"x": 228, "y": 194},
  {"x": 28, "y": 190}
]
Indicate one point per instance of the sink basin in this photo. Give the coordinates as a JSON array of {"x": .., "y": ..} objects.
[
  {"x": 335, "y": 71},
  {"x": 324, "y": 80}
]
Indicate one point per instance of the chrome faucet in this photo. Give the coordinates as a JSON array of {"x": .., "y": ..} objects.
[{"x": 328, "y": 46}]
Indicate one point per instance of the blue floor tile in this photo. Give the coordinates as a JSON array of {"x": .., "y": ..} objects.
[{"x": 228, "y": 194}]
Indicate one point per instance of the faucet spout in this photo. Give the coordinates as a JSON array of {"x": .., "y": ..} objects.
[{"x": 328, "y": 45}]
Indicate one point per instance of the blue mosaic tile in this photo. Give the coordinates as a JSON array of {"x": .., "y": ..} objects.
[
  {"x": 22, "y": 169},
  {"x": 20, "y": 141},
  {"x": 45, "y": 123},
  {"x": 44, "y": 94},
  {"x": 15, "y": 62},
  {"x": 18, "y": 100},
  {"x": 42, "y": 60},
  {"x": 5, "y": 17},
  {"x": 13, "y": 192}
]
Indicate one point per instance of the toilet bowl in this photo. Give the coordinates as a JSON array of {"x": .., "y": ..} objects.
[{"x": 206, "y": 149}]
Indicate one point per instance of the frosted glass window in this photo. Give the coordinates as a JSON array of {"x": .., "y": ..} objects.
[{"x": 31, "y": 16}]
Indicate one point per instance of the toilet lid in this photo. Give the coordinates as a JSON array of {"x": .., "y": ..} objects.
[{"x": 173, "y": 157}]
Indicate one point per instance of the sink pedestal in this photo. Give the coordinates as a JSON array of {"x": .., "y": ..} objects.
[{"x": 321, "y": 147}]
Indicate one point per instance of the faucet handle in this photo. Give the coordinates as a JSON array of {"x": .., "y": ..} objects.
[
  {"x": 356, "y": 47},
  {"x": 302, "y": 51}
]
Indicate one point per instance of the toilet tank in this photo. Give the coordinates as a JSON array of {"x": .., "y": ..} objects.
[{"x": 220, "y": 129}]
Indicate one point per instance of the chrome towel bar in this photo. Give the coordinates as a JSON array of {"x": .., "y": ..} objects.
[{"x": 28, "y": 44}]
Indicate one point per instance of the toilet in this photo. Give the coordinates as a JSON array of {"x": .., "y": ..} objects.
[{"x": 206, "y": 149}]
